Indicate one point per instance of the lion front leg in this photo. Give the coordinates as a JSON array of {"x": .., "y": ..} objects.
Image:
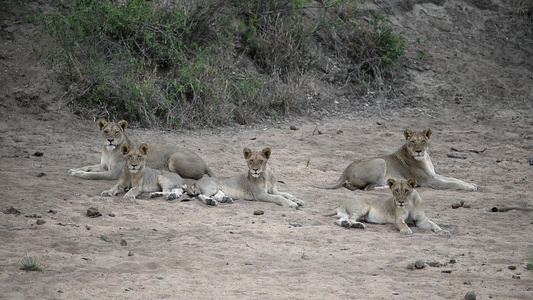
[
  {"x": 426, "y": 223},
  {"x": 277, "y": 199},
  {"x": 442, "y": 182},
  {"x": 402, "y": 226},
  {"x": 287, "y": 196},
  {"x": 133, "y": 193}
]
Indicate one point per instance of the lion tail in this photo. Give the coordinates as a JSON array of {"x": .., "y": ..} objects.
[
  {"x": 331, "y": 212},
  {"x": 209, "y": 172},
  {"x": 333, "y": 186}
]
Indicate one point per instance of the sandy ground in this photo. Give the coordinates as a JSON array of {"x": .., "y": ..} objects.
[
  {"x": 186, "y": 250},
  {"x": 470, "y": 81}
]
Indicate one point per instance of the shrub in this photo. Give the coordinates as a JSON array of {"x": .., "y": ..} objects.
[{"x": 210, "y": 63}]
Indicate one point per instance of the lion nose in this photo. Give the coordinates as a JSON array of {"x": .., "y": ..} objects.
[
  {"x": 110, "y": 140},
  {"x": 255, "y": 170},
  {"x": 418, "y": 151}
]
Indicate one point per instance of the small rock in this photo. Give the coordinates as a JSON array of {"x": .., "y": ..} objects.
[
  {"x": 40, "y": 222},
  {"x": 87, "y": 227},
  {"x": 466, "y": 206},
  {"x": 340, "y": 131},
  {"x": 295, "y": 224},
  {"x": 130, "y": 253},
  {"x": 93, "y": 212},
  {"x": 456, "y": 205},
  {"x": 452, "y": 261},
  {"x": 12, "y": 210},
  {"x": 123, "y": 242},
  {"x": 41, "y": 174},
  {"x": 470, "y": 295},
  {"x": 38, "y": 153},
  {"x": 420, "y": 264},
  {"x": 112, "y": 215},
  {"x": 529, "y": 267},
  {"x": 294, "y": 127},
  {"x": 511, "y": 267},
  {"x": 259, "y": 212},
  {"x": 516, "y": 276}
]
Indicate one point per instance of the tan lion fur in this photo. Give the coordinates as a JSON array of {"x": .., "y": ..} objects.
[
  {"x": 139, "y": 178},
  {"x": 403, "y": 207},
  {"x": 258, "y": 184},
  {"x": 412, "y": 160},
  {"x": 175, "y": 159}
]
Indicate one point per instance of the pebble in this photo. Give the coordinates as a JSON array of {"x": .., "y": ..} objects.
[
  {"x": 40, "y": 222},
  {"x": 456, "y": 205},
  {"x": 511, "y": 267},
  {"x": 93, "y": 212},
  {"x": 420, "y": 264},
  {"x": 470, "y": 295},
  {"x": 259, "y": 212}
]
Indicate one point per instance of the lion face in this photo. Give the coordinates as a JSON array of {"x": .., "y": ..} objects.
[
  {"x": 417, "y": 143},
  {"x": 113, "y": 134},
  {"x": 135, "y": 157},
  {"x": 402, "y": 190},
  {"x": 257, "y": 161}
]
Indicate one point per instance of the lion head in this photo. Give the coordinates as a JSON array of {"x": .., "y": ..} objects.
[
  {"x": 113, "y": 134},
  {"x": 401, "y": 190},
  {"x": 417, "y": 143},
  {"x": 135, "y": 157},
  {"x": 257, "y": 161}
]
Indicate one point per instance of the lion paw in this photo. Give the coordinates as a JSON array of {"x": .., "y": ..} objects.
[
  {"x": 358, "y": 225},
  {"x": 406, "y": 231},
  {"x": 156, "y": 194},
  {"x": 211, "y": 202},
  {"x": 226, "y": 199},
  {"x": 299, "y": 202},
  {"x": 108, "y": 193}
]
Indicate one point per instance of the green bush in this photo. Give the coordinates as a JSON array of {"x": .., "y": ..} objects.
[{"x": 210, "y": 63}]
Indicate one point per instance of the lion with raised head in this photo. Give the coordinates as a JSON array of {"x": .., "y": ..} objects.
[
  {"x": 139, "y": 178},
  {"x": 182, "y": 161},
  {"x": 258, "y": 184},
  {"x": 412, "y": 160},
  {"x": 405, "y": 206}
]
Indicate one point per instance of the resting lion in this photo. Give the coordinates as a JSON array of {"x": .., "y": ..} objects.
[
  {"x": 412, "y": 160},
  {"x": 403, "y": 207},
  {"x": 139, "y": 178},
  {"x": 175, "y": 159},
  {"x": 258, "y": 184}
]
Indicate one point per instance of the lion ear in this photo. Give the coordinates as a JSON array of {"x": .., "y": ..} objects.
[
  {"x": 247, "y": 152},
  {"x": 267, "y": 152},
  {"x": 101, "y": 123},
  {"x": 123, "y": 124},
  {"x": 391, "y": 182},
  {"x": 125, "y": 149},
  {"x": 144, "y": 148},
  {"x": 412, "y": 182},
  {"x": 427, "y": 133},
  {"x": 408, "y": 133}
]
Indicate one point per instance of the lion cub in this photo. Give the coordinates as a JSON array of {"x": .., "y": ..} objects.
[
  {"x": 258, "y": 184},
  {"x": 404, "y": 206},
  {"x": 139, "y": 178}
]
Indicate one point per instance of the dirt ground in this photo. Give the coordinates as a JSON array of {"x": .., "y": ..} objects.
[{"x": 470, "y": 79}]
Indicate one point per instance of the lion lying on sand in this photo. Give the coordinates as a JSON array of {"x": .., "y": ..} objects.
[
  {"x": 403, "y": 207},
  {"x": 412, "y": 160},
  {"x": 258, "y": 184},
  {"x": 139, "y": 178},
  {"x": 175, "y": 159}
]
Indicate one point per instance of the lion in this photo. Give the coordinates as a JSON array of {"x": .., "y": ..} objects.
[
  {"x": 182, "y": 161},
  {"x": 139, "y": 178},
  {"x": 412, "y": 160},
  {"x": 403, "y": 207},
  {"x": 258, "y": 184}
]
